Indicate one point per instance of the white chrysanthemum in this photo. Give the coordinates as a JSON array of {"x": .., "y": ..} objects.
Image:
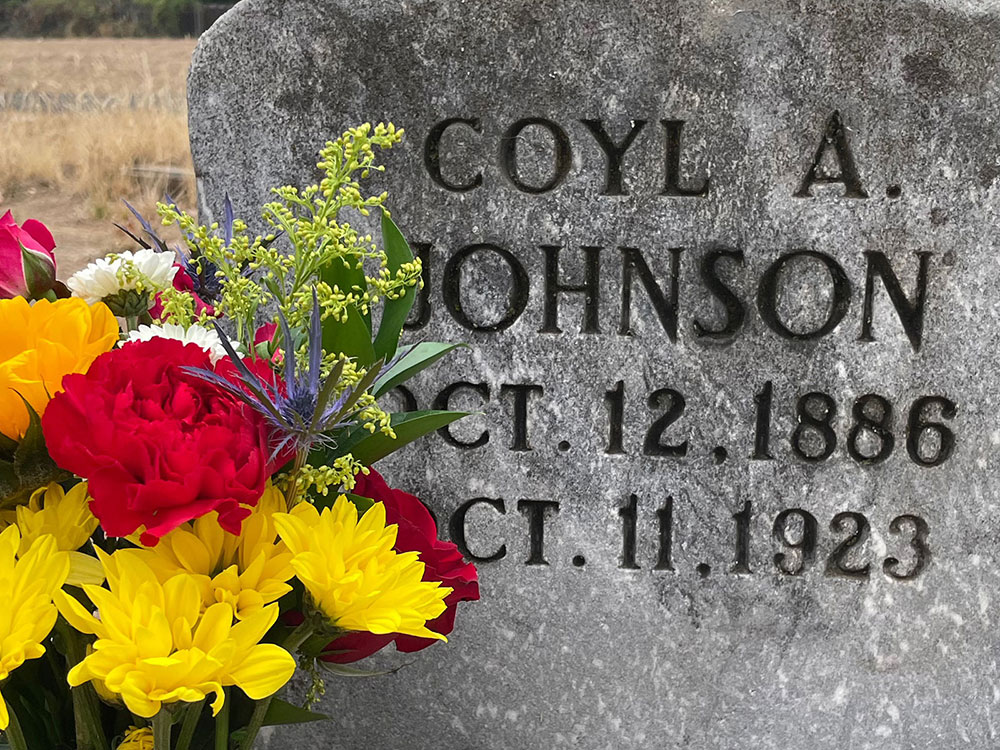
[
  {"x": 127, "y": 270},
  {"x": 206, "y": 338}
]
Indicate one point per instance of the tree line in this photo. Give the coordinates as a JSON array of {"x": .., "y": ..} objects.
[{"x": 105, "y": 17}]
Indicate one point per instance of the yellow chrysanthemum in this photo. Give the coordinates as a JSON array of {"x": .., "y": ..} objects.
[
  {"x": 157, "y": 644},
  {"x": 355, "y": 577},
  {"x": 67, "y": 518},
  {"x": 39, "y": 345},
  {"x": 137, "y": 738},
  {"x": 27, "y": 584},
  {"x": 247, "y": 571}
]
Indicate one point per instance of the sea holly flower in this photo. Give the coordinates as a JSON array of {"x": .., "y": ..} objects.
[
  {"x": 354, "y": 577},
  {"x": 207, "y": 338},
  {"x": 125, "y": 281},
  {"x": 248, "y": 571},
  {"x": 27, "y": 263},
  {"x": 27, "y": 585},
  {"x": 158, "y": 446},
  {"x": 156, "y": 644},
  {"x": 306, "y": 406},
  {"x": 39, "y": 345},
  {"x": 417, "y": 532}
]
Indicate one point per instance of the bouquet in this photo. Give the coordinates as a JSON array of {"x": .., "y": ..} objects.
[{"x": 188, "y": 511}]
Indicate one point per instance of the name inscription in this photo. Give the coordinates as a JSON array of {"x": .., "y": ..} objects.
[{"x": 920, "y": 431}]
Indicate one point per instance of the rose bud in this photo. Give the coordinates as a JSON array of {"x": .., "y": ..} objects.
[{"x": 27, "y": 264}]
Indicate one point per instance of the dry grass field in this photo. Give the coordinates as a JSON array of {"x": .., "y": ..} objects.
[{"x": 86, "y": 122}]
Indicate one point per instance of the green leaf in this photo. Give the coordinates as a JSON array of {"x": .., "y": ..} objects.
[
  {"x": 327, "y": 501},
  {"x": 397, "y": 252},
  {"x": 39, "y": 272},
  {"x": 10, "y": 485},
  {"x": 361, "y": 503},
  {"x": 420, "y": 357},
  {"x": 7, "y": 446},
  {"x": 283, "y": 712},
  {"x": 368, "y": 448},
  {"x": 34, "y": 467},
  {"x": 31, "y": 466},
  {"x": 351, "y": 338}
]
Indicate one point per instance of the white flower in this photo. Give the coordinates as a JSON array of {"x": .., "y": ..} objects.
[
  {"x": 206, "y": 338},
  {"x": 105, "y": 277}
]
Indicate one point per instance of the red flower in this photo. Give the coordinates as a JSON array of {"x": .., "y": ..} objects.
[
  {"x": 442, "y": 560},
  {"x": 159, "y": 446}
]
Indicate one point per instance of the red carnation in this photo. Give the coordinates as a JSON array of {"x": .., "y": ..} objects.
[
  {"x": 158, "y": 446},
  {"x": 442, "y": 560}
]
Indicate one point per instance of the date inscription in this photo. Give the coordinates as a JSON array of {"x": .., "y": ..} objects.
[
  {"x": 871, "y": 437},
  {"x": 798, "y": 542}
]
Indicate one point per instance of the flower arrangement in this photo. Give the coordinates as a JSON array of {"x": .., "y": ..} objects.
[{"x": 188, "y": 511}]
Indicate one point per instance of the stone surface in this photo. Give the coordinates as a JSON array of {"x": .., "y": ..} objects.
[{"x": 698, "y": 636}]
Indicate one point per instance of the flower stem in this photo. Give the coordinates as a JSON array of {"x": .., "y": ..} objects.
[
  {"x": 298, "y": 636},
  {"x": 222, "y": 725},
  {"x": 161, "y": 729},
  {"x": 15, "y": 735},
  {"x": 295, "y": 639},
  {"x": 256, "y": 722},
  {"x": 191, "y": 715},
  {"x": 86, "y": 704},
  {"x": 291, "y": 497}
]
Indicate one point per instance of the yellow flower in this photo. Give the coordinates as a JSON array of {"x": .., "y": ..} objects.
[
  {"x": 41, "y": 343},
  {"x": 27, "y": 585},
  {"x": 247, "y": 571},
  {"x": 156, "y": 644},
  {"x": 65, "y": 516},
  {"x": 355, "y": 577},
  {"x": 137, "y": 739}
]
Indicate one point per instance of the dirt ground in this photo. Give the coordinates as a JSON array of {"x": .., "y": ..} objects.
[{"x": 82, "y": 123}]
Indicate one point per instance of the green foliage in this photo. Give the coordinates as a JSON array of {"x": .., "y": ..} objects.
[
  {"x": 330, "y": 285},
  {"x": 314, "y": 256},
  {"x": 367, "y": 447},
  {"x": 168, "y": 16},
  {"x": 26, "y": 466},
  {"x": 98, "y": 17}
]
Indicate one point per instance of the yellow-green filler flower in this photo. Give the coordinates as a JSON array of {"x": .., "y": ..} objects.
[
  {"x": 353, "y": 574},
  {"x": 27, "y": 585}
]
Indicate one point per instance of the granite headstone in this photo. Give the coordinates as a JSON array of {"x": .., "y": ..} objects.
[{"x": 730, "y": 274}]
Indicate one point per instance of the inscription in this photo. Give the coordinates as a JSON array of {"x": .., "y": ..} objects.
[
  {"x": 579, "y": 273},
  {"x": 709, "y": 295},
  {"x": 833, "y": 162},
  {"x": 868, "y": 438},
  {"x": 554, "y": 141},
  {"x": 794, "y": 546}
]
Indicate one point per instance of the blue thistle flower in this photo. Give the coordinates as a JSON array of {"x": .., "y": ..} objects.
[{"x": 307, "y": 409}]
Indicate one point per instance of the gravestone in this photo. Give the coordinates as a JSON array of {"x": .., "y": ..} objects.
[{"x": 728, "y": 271}]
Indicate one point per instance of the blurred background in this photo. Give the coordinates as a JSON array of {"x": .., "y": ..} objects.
[{"x": 93, "y": 110}]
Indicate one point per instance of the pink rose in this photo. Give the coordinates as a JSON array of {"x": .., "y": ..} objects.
[{"x": 27, "y": 264}]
